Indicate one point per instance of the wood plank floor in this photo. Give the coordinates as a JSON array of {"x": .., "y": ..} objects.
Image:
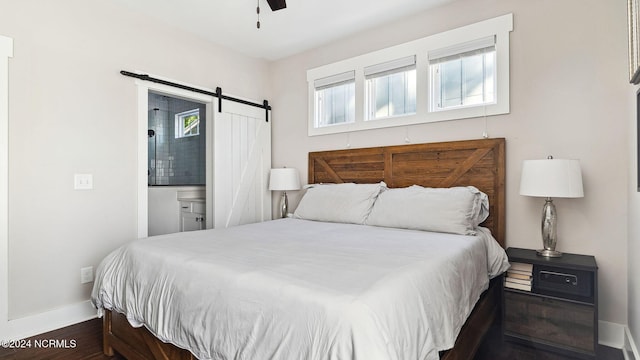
[
  {"x": 88, "y": 345},
  {"x": 83, "y": 341}
]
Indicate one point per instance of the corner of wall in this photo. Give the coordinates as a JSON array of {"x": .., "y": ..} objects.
[
  {"x": 6, "y": 51},
  {"x": 618, "y": 336},
  {"x": 630, "y": 350},
  {"x": 633, "y": 236}
]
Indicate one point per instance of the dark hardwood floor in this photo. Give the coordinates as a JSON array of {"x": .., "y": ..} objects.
[{"x": 83, "y": 341}]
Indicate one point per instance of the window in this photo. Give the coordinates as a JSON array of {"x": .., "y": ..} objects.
[
  {"x": 335, "y": 100},
  {"x": 391, "y": 88},
  {"x": 188, "y": 123},
  {"x": 463, "y": 75}
]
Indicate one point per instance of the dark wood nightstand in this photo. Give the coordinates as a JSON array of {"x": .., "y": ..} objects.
[{"x": 560, "y": 313}]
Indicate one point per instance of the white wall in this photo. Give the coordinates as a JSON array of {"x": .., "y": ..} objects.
[
  {"x": 70, "y": 111},
  {"x": 164, "y": 207},
  {"x": 569, "y": 98},
  {"x": 164, "y": 210}
]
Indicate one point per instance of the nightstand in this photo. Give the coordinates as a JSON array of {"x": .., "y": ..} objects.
[{"x": 560, "y": 312}]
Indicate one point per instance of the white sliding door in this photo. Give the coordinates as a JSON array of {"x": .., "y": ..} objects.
[{"x": 242, "y": 160}]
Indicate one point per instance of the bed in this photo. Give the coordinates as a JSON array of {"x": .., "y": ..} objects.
[{"x": 355, "y": 291}]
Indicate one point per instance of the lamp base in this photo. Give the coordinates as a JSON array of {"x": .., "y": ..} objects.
[
  {"x": 549, "y": 237},
  {"x": 549, "y": 253},
  {"x": 284, "y": 205}
]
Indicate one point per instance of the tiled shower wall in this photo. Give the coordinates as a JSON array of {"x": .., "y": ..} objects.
[{"x": 174, "y": 161}]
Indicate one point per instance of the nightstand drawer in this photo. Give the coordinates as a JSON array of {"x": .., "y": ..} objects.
[{"x": 549, "y": 320}]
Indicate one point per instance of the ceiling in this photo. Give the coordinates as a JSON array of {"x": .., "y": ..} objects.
[{"x": 303, "y": 25}]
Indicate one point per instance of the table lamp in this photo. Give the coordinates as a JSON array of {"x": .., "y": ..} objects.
[
  {"x": 284, "y": 179},
  {"x": 550, "y": 178}
]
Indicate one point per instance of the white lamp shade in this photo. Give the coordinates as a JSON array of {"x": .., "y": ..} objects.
[
  {"x": 558, "y": 178},
  {"x": 284, "y": 179}
]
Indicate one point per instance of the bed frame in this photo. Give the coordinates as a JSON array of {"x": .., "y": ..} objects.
[{"x": 480, "y": 163}]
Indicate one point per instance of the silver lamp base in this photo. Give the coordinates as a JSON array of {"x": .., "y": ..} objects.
[
  {"x": 549, "y": 234},
  {"x": 549, "y": 253},
  {"x": 284, "y": 205}
]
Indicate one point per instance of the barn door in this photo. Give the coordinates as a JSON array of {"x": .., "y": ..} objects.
[{"x": 242, "y": 160}]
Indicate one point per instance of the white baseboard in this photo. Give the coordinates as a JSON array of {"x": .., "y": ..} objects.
[
  {"x": 611, "y": 334},
  {"x": 55, "y": 319},
  {"x": 630, "y": 351},
  {"x": 618, "y": 336}
]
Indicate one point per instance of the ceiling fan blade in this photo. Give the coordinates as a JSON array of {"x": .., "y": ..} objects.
[{"x": 277, "y": 4}]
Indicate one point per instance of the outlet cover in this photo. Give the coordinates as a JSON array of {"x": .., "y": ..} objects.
[{"x": 86, "y": 275}]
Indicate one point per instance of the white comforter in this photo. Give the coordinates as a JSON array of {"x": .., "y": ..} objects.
[{"x": 296, "y": 289}]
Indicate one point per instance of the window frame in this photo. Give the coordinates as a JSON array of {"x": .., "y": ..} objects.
[
  {"x": 332, "y": 82},
  {"x": 500, "y": 27},
  {"x": 179, "y": 122},
  {"x": 457, "y": 53},
  {"x": 379, "y": 71}
]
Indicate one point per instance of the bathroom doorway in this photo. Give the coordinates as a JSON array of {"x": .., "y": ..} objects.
[
  {"x": 176, "y": 164},
  {"x": 237, "y": 159}
]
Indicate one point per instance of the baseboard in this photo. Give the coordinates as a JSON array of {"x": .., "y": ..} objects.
[
  {"x": 630, "y": 350},
  {"x": 611, "y": 334},
  {"x": 618, "y": 336},
  {"x": 51, "y": 320}
]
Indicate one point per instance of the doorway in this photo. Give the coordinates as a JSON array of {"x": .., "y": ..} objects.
[
  {"x": 237, "y": 158},
  {"x": 176, "y": 164},
  {"x": 146, "y": 88}
]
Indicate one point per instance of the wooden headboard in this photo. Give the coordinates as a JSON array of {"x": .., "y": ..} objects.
[{"x": 480, "y": 163}]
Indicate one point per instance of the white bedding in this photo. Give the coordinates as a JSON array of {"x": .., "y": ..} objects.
[{"x": 297, "y": 289}]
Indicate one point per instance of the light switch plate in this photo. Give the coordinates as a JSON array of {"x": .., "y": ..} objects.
[{"x": 83, "y": 181}]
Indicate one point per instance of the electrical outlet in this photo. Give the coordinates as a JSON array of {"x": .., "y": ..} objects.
[{"x": 86, "y": 274}]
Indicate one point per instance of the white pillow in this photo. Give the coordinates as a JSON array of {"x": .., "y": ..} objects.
[
  {"x": 343, "y": 203},
  {"x": 457, "y": 210}
]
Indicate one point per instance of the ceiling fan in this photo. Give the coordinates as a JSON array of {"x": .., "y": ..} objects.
[
  {"x": 277, "y": 4},
  {"x": 274, "y": 5}
]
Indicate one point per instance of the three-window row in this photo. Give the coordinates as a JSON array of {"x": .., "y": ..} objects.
[{"x": 459, "y": 76}]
